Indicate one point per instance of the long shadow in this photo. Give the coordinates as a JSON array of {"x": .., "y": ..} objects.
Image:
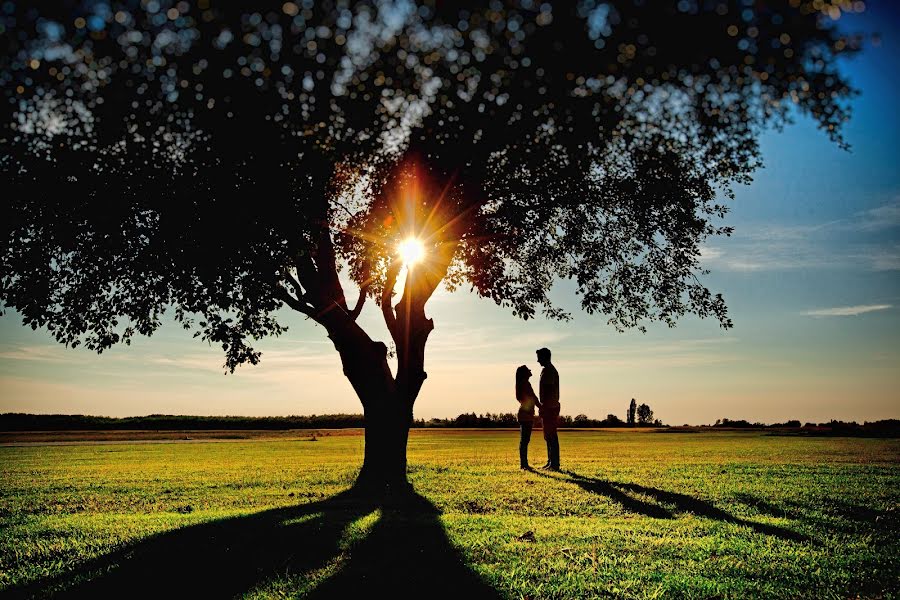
[
  {"x": 406, "y": 550},
  {"x": 849, "y": 517},
  {"x": 766, "y": 507},
  {"x": 406, "y": 555},
  {"x": 682, "y": 503},
  {"x": 685, "y": 503},
  {"x": 605, "y": 488}
]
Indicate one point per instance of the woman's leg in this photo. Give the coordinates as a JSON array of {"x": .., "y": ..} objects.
[{"x": 524, "y": 438}]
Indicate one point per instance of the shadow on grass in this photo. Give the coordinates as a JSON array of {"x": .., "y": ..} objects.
[
  {"x": 612, "y": 491},
  {"x": 618, "y": 492},
  {"x": 405, "y": 554},
  {"x": 767, "y": 508},
  {"x": 850, "y": 517}
]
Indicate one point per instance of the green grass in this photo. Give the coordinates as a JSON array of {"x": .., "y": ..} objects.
[{"x": 635, "y": 515}]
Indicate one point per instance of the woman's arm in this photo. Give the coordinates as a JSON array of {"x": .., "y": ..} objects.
[{"x": 537, "y": 401}]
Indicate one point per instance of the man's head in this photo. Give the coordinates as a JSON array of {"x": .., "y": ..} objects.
[{"x": 543, "y": 356}]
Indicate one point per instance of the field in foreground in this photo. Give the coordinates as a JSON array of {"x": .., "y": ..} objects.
[{"x": 634, "y": 515}]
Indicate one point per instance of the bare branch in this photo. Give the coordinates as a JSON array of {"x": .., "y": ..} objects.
[
  {"x": 339, "y": 204},
  {"x": 294, "y": 303},
  {"x": 390, "y": 319},
  {"x": 298, "y": 288},
  {"x": 306, "y": 272},
  {"x": 423, "y": 283},
  {"x": 363, "y": 292},
  {"x": 331, "y": 292}
]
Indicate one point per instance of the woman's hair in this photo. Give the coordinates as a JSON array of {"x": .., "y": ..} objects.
[{"x": 522, "y": 374}]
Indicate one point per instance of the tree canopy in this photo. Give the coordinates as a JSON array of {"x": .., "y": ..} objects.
[{"x": 223, "y": 161}]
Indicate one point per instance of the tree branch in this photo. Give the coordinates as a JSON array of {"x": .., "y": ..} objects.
[
  {"x": 306, "y": 272},
  {"x": 294, "y": 303},
  {"x": 331, "y": 292},
  {"x": 387, "y": 293},
  {"x": 421, "y": 284},
  {"x": 298, "y": 288},
  {"x": 363, "y": 292}
]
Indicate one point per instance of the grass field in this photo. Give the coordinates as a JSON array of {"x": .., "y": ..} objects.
[{"x": 634, "y": 515}]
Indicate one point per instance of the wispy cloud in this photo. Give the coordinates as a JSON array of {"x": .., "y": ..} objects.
[
  {"x": 513, "y": 350},
  {"x": 864, "y": 240},
  {"x": 884, "y": 259},
  {"x": 461, "y": 341},
  {"x": 40, "y": 353},
  {"x": 847, "y": 311},
  {"x": 881, "y": 217},
  {"x": 755, "y": 252}
]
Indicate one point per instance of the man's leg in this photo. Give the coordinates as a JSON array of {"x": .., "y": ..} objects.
[
  {"x": 546, "y": 465},
  {"x": 549, "y": 436},
  {"x": 554, "y": 459}
]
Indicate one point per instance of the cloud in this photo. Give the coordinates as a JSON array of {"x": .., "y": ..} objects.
[
  {"x": 865, "y": 240},
  {"x": 884, "y": 259},
  {"x": 847, "y": 311},
  {"x": 880, "y": 217},
  {"x": 50, "y": 353},
  {"x": 773, "y": 251},
  {"x": 591, "y": 356}
]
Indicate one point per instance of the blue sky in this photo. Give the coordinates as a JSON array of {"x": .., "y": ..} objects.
[{"x": 811, "y": 276}]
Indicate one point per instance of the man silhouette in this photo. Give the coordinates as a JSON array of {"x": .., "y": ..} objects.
[{"x": 549, "y": 411}]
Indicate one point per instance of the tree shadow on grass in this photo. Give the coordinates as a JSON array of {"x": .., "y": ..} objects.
[
  {"x": 406, "y": 554},
  {"x": 682, "y": 502}
]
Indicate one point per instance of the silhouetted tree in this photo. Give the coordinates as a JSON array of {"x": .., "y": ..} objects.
[
  {"x": 644, "y": 414},
  {"x": 223, "y": 163},
  {"x": 632, "y": 412},
  {"x": 580, "y": 420},
  {"x": 612, "y": 421}
]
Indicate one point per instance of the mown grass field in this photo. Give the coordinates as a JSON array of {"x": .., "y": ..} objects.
[{"x": 634, "y": 515}]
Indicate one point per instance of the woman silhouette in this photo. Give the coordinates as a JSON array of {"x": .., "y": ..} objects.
[{"x": 527, "y": 401}]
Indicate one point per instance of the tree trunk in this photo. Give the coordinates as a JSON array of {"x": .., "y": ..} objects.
[
  {"x": 387, "y": 400},
  {"x": 387, "y": 410},
  {"x": 387, "y": 433}
]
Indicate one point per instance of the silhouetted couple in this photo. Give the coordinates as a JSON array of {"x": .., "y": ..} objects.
[{"x": 548, "y": 405}]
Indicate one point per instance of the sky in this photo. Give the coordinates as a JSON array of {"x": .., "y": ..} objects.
[{"x": 811, "y": 277}]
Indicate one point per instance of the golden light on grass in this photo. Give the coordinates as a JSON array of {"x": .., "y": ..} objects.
[{"x": 411, "y": 251}]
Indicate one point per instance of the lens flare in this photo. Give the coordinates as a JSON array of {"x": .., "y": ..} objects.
[{"x": 412, "y": 251}]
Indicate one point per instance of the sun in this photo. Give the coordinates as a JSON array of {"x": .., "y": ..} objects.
[{"x": 411, "y": 251}]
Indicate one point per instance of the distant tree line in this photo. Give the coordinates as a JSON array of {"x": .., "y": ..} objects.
[
  {"x": 882, "y": 428},
  {"x": 30, "y": 422},
  {"x": 743, "y": 424},
  {"x": 488, "y": 420}
]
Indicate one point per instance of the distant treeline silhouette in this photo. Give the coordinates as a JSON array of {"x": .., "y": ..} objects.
[
  {"x": 30, "y": 422},
  {"x": 883, "y": 428},
  {"x": 488, "y": 420}
]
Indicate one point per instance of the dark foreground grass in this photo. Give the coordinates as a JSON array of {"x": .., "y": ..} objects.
[{"x": 634, "y": 515}]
